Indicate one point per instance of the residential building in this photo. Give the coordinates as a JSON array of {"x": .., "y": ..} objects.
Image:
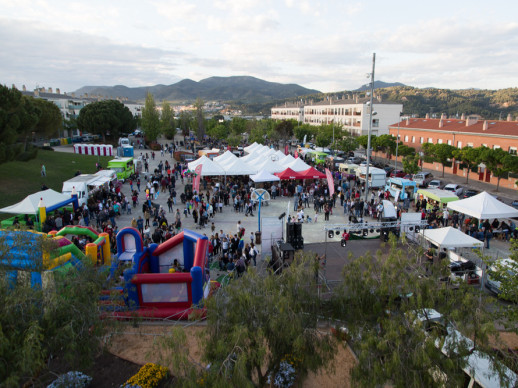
[
  {"x": 468, "y": 131},
  {"x": 289, "y": 111},
  {"x": 352, "y": 115}
]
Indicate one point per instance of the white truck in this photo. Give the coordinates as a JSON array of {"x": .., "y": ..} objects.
[
  {"x": 377, "y": 176},
  {"x": 80, "y": 183}
]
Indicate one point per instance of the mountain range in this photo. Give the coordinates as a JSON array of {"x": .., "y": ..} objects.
[{"x": 237, "y": 88}]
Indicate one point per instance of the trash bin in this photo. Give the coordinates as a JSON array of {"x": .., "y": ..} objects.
[{"x": 258, "y": 238}]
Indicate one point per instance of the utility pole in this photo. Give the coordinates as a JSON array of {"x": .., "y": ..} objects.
[{"x": 370, "y": 130}]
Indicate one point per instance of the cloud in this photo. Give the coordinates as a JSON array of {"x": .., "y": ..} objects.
[{"x": 33, "y": 54}]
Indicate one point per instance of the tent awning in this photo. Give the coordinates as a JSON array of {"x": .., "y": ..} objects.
[
  {"x": 289, "y": 174},
  {"x": 483, "y": 206},
  {"x": 450, "y": 238},
  {"x": 264, "y": 176},
  {"x": 29, "y": 205},
  {"x": 313, "y": 173},
  {"x": 442, "y": 196}
]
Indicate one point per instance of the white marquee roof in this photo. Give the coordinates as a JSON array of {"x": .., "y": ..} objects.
[
  {"x": 298, "y": 165},
  {"x": 29, "y": 205},
  {"x": 450, "y": 238},
  {"x": 209, "y": 168},
  {"x": 483, "y": 206}
]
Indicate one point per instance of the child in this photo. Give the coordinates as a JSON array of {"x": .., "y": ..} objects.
[
  {"x": 308, "y": 219},
  {"x": 252, "y": 238},
  {"x": 316, "y": 217}
]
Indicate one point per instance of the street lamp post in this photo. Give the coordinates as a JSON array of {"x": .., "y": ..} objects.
[
  {"x": 397, "y": 140},
  {"x": 370, "y": 130}
]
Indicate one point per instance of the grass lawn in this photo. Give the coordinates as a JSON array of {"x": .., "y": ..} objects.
[{"x": 19, "y": 179}]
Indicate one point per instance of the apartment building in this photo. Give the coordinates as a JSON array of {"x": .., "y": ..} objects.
[
  {"x": 352, "y": 115},
  {"x": 468, "y": 131},
  {"x": 288, "y": 111}
]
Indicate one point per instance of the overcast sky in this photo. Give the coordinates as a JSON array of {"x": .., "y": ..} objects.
[{"x": 324, "y": 45}]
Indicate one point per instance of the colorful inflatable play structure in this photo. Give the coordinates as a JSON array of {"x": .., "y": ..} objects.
[
  {"x": 29, "y": 253},
  {"x": 165, "y": 281}
]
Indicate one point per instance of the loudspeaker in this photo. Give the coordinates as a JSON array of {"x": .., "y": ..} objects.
[
  {"x": 298, "y": 229},
  {"x": 282, "y": 216},
  {"x": 330, "y": 234}
]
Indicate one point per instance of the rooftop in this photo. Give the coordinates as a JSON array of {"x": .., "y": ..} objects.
[{"x": 483, "y": 127}]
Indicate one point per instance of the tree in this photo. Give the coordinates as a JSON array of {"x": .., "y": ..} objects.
[
  {"x": 220, "y": 131},
  {"x": 499, "y": 162},
  {"x": 347, "y": 144},
  {"x": 49, "y": 118},
  {"x": 304, "y": 130},
  {"x": 385, "y": 143},
  {"x": 106, "y": 118},
  {"x": 257, "y": 322},
  {"x": 18, "y": 117},
  {"x": 238, "y": 125},
  {"x": 167, "y": 126},
  {"x": 384, "y": 303},
  {"x": 363, "y": 140},
  {"x": 284, "y": 129},
  {"x": 404, "y": 150},
  {"x": 200, "y": 129},
  {"x": 234, "y": 140},
  {"x": 443, "y": 153},
  {"x": 323, "y": 140},
  {"x": 150, "y": 119},
  {"x": 60, "y": 319},
  {"x": 186, "y": 122},
  {"x": 411, "y": 164},
  {"x": 469, "y": 156}
]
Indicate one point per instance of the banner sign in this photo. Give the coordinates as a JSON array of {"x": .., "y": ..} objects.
[{"x": 330, "y": 182}]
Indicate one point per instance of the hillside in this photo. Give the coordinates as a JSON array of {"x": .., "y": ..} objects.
[
  {"x": 378, "y": 85},
  {"x": 239, "y": 88},
  {"x": 490, "y": 104}
]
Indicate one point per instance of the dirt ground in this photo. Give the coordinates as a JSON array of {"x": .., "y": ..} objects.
[{"x": 138, "y": 345}]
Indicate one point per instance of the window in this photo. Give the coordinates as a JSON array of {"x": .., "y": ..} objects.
[
  {"x": 512, "y": 150},
  {"x": 459, "y": 144},
  {"x": 470, "y": 145},
  {"x": 406, "y": 139},
  {"x": 430, "y": 140},
  {"x": 449, "y": 142},
  {"x": 484, "y": 145},
  {"x": 421, "y": 140},
  {"x": 413, "y": 139},
  {"x": 439, "y": 141},
  {"x": 375, "y": 123},
  {"x": 495, "y": 147}
]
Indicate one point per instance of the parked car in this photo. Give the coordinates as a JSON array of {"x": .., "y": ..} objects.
[
  {"x": 435, "y": 184},
  {"x": 410, "y": 177},
  {"x": 423, "y": 178},
  {"x": 87, "y": 138},
  {"x": 470, "y": 193},
  {"x": 397, "y": 174},
  {"x": 389, "y": 170},
  {"x": 454, "y": 188}
]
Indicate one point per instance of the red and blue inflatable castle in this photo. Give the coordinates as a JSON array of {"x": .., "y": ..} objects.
[{"x": 150, "y": 289}]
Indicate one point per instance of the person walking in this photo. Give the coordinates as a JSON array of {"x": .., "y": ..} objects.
[{"x": 43, "y": 170}]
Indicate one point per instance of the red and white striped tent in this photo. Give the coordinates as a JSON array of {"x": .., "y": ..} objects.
[{"x": 94, "y": 149}]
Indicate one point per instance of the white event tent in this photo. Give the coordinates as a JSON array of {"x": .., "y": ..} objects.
[
  {"x": 270, "y": 166},
  {"x": 450, "y": 238},
  {"x": 264, "y": 176},
  {"x": 226, "y": 156},
  {"x": 29, "y": 205},
  {"x": 209, "y": 168},
  {"x": 251, "y": 147},
  {"x": 238, "y": 167},
  {"x": 483, "y": 206},
  {"x": 298, "y": 165},
  {"x": 286, "y": 160}
]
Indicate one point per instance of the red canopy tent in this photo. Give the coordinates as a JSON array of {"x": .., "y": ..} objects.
[
  {"x": 312, "y": 173},
  {"x": 289, "y": 174}
]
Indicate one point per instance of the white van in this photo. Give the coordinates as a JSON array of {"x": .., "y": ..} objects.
[
  {"x": 377, "y": 176},
  {"x": 80, "y": 184}
]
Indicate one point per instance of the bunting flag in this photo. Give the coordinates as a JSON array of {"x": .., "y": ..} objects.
[
  {"x": 330, "y": 182},
  {"x": 197, "y": 172}
]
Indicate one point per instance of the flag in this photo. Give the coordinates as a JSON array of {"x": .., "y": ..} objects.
[
  {"x": 286, "y": 150},
  {"x": 197, "y": 172},
  {"x": 330, "y": 182},
  {"x": 304, "y": 141}
]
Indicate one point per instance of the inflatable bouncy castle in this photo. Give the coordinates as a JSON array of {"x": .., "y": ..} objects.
[{"x": 164, "y": 281}]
